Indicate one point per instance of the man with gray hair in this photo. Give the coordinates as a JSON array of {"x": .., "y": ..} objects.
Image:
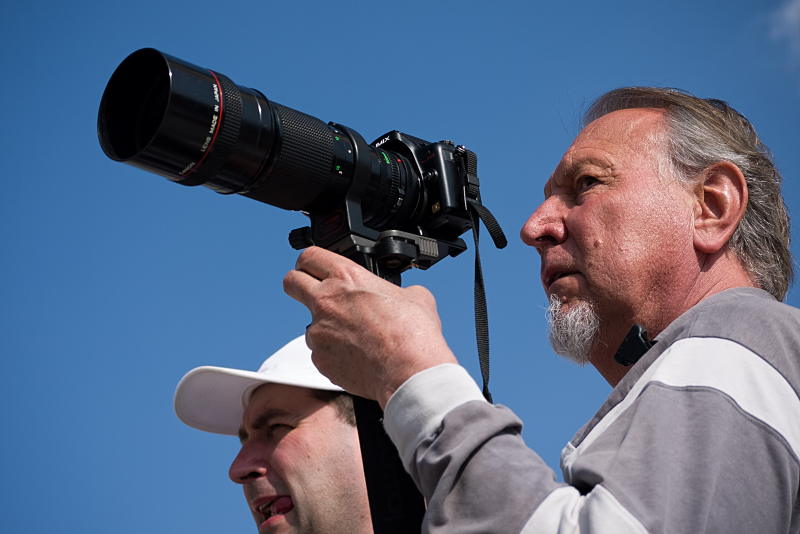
[
  {"x": 300, "y": 461},
  {"x": 665, "y": 217}
]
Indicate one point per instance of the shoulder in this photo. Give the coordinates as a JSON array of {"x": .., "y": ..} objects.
[
  {"x": 740, "y": 313},
  {"x": 738, "y": 321},
  {"x": 722, "y": 344}
]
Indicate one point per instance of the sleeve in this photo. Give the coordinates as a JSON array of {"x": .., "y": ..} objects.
[
  {"x": 466, "y": 456},
  {"x": 685, "y": 452}
]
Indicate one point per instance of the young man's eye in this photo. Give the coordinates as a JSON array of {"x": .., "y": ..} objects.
[{"x": 278, "y": 427}]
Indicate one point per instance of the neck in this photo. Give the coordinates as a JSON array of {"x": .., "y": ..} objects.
[{"x": 716, "y": 273}]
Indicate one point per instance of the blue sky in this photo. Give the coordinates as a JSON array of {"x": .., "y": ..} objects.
[{"x": 115, "y": 282}]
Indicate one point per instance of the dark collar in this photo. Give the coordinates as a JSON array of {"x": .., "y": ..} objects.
[{"x": 633, "y": 347}]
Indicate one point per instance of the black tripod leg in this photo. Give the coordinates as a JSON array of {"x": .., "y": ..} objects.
[{"x": 397, "y": 507}]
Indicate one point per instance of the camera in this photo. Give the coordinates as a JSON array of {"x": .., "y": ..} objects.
[{"x": 397, "y": 203}]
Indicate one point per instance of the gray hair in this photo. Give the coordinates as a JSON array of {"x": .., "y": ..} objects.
[{"x": 702, "y": 132}]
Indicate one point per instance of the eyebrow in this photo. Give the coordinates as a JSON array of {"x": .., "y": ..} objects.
[
  {"x": 578, "y": 165},
  {"x": 263, "y": 420}
]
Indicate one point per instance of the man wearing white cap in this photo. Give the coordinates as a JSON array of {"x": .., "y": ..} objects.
[{"x": 300, "y": 462}]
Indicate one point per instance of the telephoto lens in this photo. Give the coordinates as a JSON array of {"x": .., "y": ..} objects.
[{"x": 196, "y": 127}]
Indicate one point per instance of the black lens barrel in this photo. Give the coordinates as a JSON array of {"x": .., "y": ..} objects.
[
  {"x": 197, "y": 127},
  {"x": 188, "y": 124}
]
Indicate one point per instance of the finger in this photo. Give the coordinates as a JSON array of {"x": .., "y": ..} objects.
[
  {"x": 309, "y": 343},
  {"x": 300, "y": 286},
  {"x": 319, "y": 262}
]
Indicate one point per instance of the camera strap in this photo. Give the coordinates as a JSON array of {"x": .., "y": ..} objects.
[{"x": 478, "y": 212}]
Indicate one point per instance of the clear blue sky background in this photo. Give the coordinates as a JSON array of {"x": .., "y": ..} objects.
[{"x": 115, "y": 282}]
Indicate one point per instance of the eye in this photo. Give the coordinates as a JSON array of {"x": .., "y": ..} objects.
[
  {"x": 279, "y": 428},
  {"x": 587, "y": 182}
]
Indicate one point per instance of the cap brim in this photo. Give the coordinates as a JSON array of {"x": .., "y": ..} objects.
[{"x": 213, "y": 399}]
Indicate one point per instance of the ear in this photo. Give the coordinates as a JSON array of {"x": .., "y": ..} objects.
[{"x": 721, "y": 203}]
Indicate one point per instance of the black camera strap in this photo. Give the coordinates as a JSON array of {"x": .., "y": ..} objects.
[{"x": 478, "y": 212}]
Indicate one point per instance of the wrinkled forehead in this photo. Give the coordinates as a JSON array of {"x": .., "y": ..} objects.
[
  {"x": 612, "y": 139},
  {"x": 626, "y": 130}
]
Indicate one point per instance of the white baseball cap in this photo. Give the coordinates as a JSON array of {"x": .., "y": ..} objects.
[{"x": 213, "y": 399}]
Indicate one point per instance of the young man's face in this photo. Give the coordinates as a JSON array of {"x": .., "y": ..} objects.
[{"x": 300, "y": 465}]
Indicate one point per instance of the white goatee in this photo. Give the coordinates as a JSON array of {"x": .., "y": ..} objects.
[{"x": 572, "y": 332}]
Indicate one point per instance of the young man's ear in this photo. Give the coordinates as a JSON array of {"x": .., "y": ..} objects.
[{"x": 721, "y": 203}]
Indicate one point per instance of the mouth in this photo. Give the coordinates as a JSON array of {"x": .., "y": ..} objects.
[
  {"x": 552, "y": 277},
  {"x": 273, "y": 508}
]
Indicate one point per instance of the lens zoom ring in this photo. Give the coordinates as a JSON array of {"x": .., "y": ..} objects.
[
  {"x": 231, "y": 120},
  {"x": 304, "y": 163}
]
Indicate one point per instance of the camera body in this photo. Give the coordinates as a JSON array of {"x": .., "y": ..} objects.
[{"x": 428, "y": 233}]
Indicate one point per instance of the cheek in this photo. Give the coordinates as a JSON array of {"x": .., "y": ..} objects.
[
  {"x": 614, "y": 240},
  {"x": 288, "y": 459},
  {"x": 303, "y": 452},
  {"x": 650, "y": 243},
  {"x": 597, "y": 230}
]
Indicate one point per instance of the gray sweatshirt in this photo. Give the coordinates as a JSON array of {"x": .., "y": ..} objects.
[{"x": 701, "y": 435}]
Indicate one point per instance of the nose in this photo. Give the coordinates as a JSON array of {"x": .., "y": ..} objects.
[
  {"x": 546, "y": 227},
  {"x": 246, "y": 467}
]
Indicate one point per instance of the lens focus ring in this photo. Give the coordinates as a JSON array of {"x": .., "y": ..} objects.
[{"x": 231, "y": 120}]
